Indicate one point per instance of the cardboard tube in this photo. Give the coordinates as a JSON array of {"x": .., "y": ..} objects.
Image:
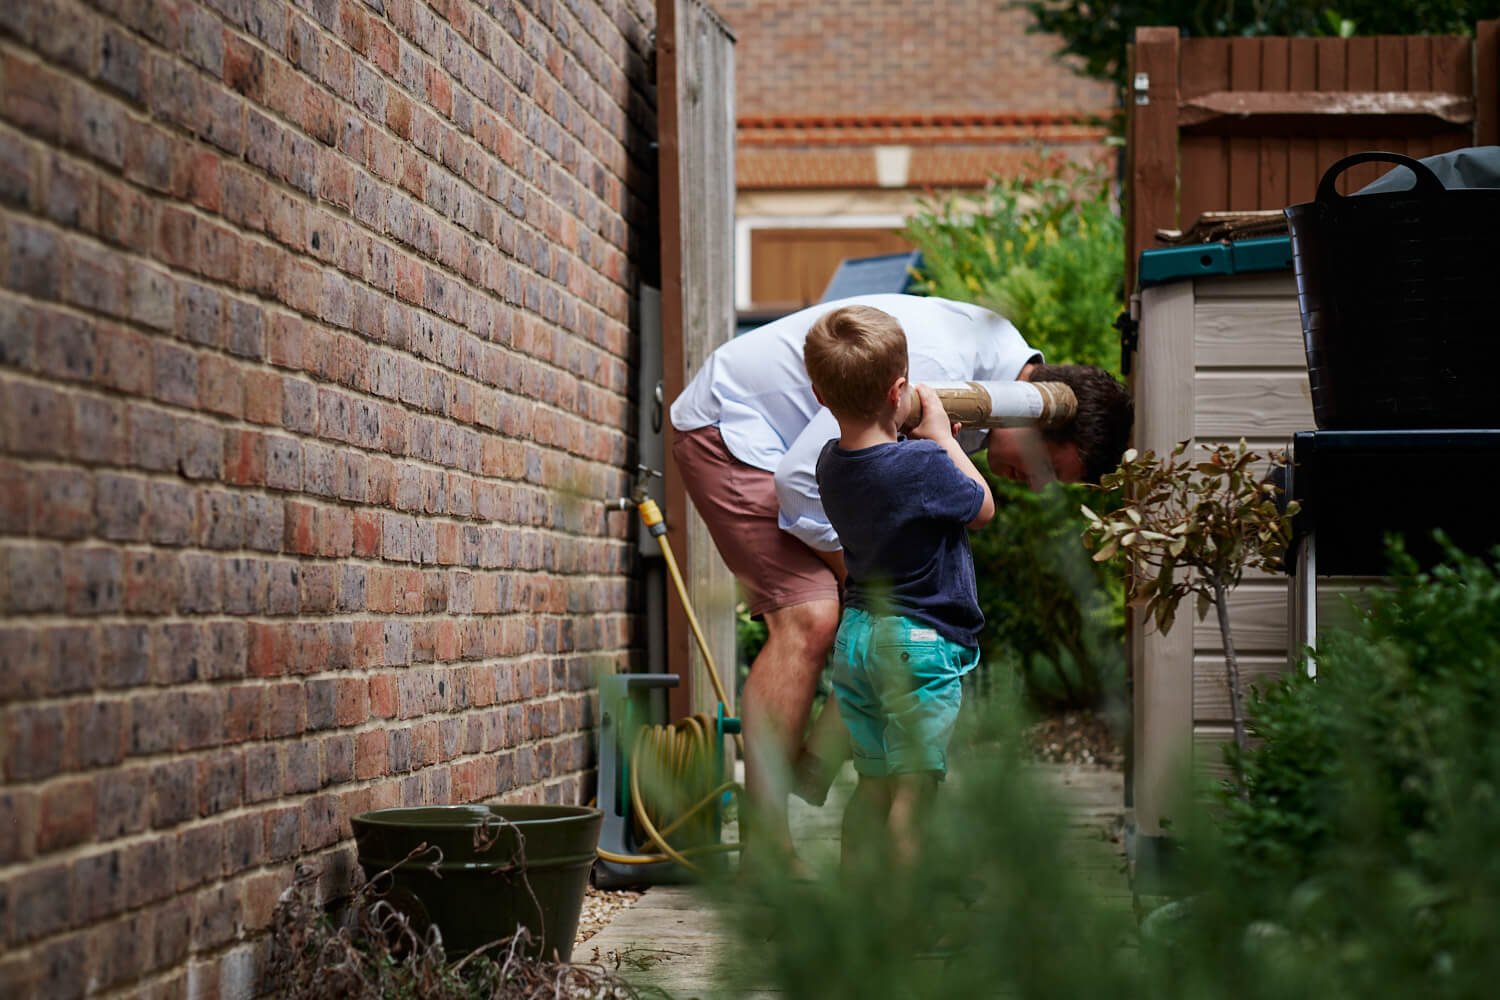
[{"x": 1002, "y": 404}]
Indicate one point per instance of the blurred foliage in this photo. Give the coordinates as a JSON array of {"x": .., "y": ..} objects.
[
  {"x": 1097, "y": 34},
  {"x": 1361, "y": 864},
  {"x": 749, "y": 637},
  {"x": 1044, "y": 249},
  {"x": 993, "y": 909},
  {"x": 1051, "y": 612}
]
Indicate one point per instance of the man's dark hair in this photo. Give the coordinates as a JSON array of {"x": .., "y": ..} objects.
[{"x": 1101, "y": 430}]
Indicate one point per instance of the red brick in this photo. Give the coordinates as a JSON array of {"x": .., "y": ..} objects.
[
  {"x": 62, "y": 503},
  {"x": 286, "y": 710},
  {"x": 216, "y": 916},
  {"x": 383, "y": 696},
  {"x": 262, "y": 890},
  {"x": 174, "y": 795},
  {"x": 151, "y": 581},
  {"x": 35, "y": 742},
  {"x": 196, "y": 178},
  {"x": 36, "y": 98},
  {"x": 40, "y": 900},
  {"x": 18, "y": 825},
  {"x": 244, "y": 67},
  {"x": 370, "y": 760},
  {"x": 267, "y": 650},
  {"x": 200, "y": 854},
  {"x": 351, "y": 705},
  {"x": 367, "y": 534},
  {"x": 243, "y": 714},
  {"x": 244, "y": 458},
  {"x": 124, "y": 216},
  {"x": 300, "y": 535},
  {"x": 323, "y": 822},
  {"x": 220, "y": 386},
  {"x": 122, "y": 802},
  {"x": 263, "y": 398}
]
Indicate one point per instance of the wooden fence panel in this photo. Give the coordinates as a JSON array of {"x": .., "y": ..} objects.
[
  {"x": 1205, "y": 69},
  {"x": 1302, "y": 150},
  {"x": 695, "y": 66},
  {"x": 1258, "y": 120}
]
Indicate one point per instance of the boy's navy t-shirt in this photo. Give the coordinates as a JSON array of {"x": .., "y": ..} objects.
[{"x": 900, "y": 510}]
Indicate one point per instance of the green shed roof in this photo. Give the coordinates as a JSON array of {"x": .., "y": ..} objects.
[{"x": 1269, "y": 253}]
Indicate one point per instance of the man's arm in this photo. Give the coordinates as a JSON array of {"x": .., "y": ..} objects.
[{"x": 835, "y": 561}]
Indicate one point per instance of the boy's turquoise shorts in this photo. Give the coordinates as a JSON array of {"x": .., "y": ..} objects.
[{"x": 898, "y": 690}]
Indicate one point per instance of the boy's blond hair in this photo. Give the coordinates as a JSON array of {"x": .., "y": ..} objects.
[{"x": 854, "y": 355}]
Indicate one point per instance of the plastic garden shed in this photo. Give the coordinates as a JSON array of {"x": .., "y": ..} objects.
[{"x": 1218, "y": 357}]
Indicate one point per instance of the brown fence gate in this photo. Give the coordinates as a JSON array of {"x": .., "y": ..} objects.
[{"x": 1244, "y": 124}]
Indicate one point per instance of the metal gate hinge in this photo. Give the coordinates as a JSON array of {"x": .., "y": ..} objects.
[{"x": 1130, "y": 338}]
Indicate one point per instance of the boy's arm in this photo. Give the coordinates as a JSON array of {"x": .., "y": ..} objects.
[{"x": 935, "y": 427}]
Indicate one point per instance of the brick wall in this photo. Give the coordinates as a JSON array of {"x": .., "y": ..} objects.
[
  {"x": 876, "y": 56},
  {"x": 314, "y": 355}
]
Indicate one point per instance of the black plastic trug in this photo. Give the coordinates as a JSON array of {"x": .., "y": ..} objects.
[{"x": 1397, "y": 293}]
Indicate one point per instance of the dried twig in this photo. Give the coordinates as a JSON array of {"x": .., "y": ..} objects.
[{"x": 375, "y": 952}]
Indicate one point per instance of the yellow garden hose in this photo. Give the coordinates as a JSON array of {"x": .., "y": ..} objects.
[{"x": 681, "y": 788}]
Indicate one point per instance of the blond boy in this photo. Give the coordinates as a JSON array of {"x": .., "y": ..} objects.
[{"x": 902, "y": 507}]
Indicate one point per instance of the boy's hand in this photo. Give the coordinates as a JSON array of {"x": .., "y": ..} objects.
[{"x": 934, "y": 424}]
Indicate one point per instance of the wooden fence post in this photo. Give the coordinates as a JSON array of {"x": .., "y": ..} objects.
[
  {"x": 1487, "y": 83},
  {"x": 1151, "y": 153}
]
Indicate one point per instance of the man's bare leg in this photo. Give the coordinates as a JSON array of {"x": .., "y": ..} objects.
[{"x": 777, "y": 699}]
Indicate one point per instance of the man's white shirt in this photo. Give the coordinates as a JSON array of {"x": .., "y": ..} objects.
[{"x": 757, "y": 390}]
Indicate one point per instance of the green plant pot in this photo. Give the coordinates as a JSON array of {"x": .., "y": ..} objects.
[{"x": 532, "y": 874}]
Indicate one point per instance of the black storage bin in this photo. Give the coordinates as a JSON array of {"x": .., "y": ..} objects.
[{"x": 1400, "y": 301}]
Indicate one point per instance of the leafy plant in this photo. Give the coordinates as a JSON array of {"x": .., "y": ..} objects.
[
  {"x": 1043, "y": 249},
  {"x": 1049, "y": 610},
  {"x": 1360, "y": 861},
  {"x": 1366, "y": 832},
  {"x": 1193, "y": 528},
  {"x": 749, "y": 637}
]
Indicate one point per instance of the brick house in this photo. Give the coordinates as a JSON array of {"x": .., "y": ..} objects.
[
  {"x": 315, "y": 355},
  {"x": 849, "y": 110}
]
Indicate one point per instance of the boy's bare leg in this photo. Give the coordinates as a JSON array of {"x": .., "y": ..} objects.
[
  {"x": 777, "y": 699},
  {"x": 866, "y": 819},
  {"x": 911, "y": 797}
]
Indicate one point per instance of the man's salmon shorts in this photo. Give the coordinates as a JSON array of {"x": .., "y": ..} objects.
[{"x": 738, "y": 503}]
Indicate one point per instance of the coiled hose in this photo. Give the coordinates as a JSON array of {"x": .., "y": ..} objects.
[{"x": 674, "y": 780}]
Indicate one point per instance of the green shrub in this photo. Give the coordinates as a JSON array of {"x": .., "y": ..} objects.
[
  {"x": 1049, "y": 610},
  {"x": 1387, "y": 765},
  {"x": 1362, "y": 863},
  {"x": 1360, "y": 860},
  {"x": 1045, "y": 250},
  {"x": 994, "y": 909}
]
